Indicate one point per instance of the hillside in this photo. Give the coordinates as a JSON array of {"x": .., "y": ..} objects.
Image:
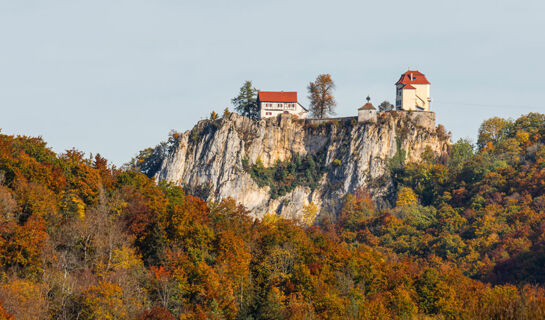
[
  {"x": 464, "y": 239},
  {"x": 281, "y": 165}
]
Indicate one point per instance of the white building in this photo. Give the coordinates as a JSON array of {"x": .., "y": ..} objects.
[
  {"x": 367, "y": 112},
  {"x": 273, "y": 103},
  {"x": 413, "y": 92}
]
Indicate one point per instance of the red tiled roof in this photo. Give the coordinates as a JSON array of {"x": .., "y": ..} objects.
[
  {"x": 368, "y": 106},
  {"x": 413, "y": 77},
  {"x": 408, "y": 86},
  {"x": 277, "y": 96}
]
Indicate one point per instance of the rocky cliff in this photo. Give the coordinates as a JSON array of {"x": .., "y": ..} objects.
[{"x": 240, "y": 158}]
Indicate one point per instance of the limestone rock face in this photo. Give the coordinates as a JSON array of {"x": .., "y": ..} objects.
[{"x": 356, "y": 155}]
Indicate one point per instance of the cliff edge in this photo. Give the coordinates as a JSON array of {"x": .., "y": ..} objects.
[{"x": 281, "y": 165}]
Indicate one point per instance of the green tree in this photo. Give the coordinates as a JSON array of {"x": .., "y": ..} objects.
[
  {"x": 246, "y": 101},
  {"x": 273, "y": 305},
  {"x": 149, "y": 160},
  {"x": 492, "y": 130},
  {"x": 385, "y": 106},
  {"x": 321, "y": 97},
  {"x": 462, "y": 151}
]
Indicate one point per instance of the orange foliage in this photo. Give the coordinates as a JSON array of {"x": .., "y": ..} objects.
[{"x": 141, "y": 250}]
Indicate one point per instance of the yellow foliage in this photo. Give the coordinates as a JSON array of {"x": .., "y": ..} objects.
[
  {"x": 71, "y": 203},
  {"x": 491, "y": 130},
  {"x": 104, "y": 301},
  {"x": 36, "y": 199},
  {"x": 401, "y": 302},
  {"x": 270, "y": 218},
  {"x": 126, "y": 258},
  {"x": 406, "y": 197},
  {"x": 523, "y": 137},
  {"x": 310, "y": 212}
]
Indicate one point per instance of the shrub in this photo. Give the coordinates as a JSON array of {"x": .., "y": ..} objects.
[{"x": 285, "y": 176}]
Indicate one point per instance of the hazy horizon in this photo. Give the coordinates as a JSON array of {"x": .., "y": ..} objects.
[{"x": 115, "y": 78}]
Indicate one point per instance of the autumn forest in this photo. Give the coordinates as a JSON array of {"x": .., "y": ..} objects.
[{"x": 464, "y": 239}]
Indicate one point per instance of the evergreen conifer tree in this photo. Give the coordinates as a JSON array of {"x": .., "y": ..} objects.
[{"x": 246, "y": 101}]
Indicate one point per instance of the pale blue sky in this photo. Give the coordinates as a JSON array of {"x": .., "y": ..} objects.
[{"x": 115, "y": 76}]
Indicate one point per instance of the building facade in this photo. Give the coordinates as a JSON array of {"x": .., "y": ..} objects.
[
  {"x": 273, "y": 103},
  {"x": 367, "y": 112},
  {"x": 413, "y": 92}
]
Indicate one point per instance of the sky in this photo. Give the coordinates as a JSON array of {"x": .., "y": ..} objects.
[{"x": 115, "y": 76}]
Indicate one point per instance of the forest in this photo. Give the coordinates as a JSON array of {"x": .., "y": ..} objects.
[{"x": 83, "y": 239}]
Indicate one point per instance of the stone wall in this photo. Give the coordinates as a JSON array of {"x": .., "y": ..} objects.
[
  {"x": 327, "y": 120},
  {"x": 424, "y": 119}
]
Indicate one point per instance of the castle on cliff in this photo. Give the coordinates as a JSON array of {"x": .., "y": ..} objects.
[{"x": 412, "y": 94}]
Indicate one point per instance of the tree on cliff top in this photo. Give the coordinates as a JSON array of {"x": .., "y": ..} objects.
[
  {"x": 246, "y": 101},
  {"x": 385, "y": 106},
  {"x": 321, "y": 97}
]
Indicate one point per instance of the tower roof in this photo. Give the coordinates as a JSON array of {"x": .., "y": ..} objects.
[
  {"x": 367, "y": 106},
  {"x": 413, "y": 77}
]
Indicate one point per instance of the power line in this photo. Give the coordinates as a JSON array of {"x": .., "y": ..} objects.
[{"x": 487, "y": 105}]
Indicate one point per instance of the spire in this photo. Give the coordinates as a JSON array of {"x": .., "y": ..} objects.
[{"x": 368, "y": 105}]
